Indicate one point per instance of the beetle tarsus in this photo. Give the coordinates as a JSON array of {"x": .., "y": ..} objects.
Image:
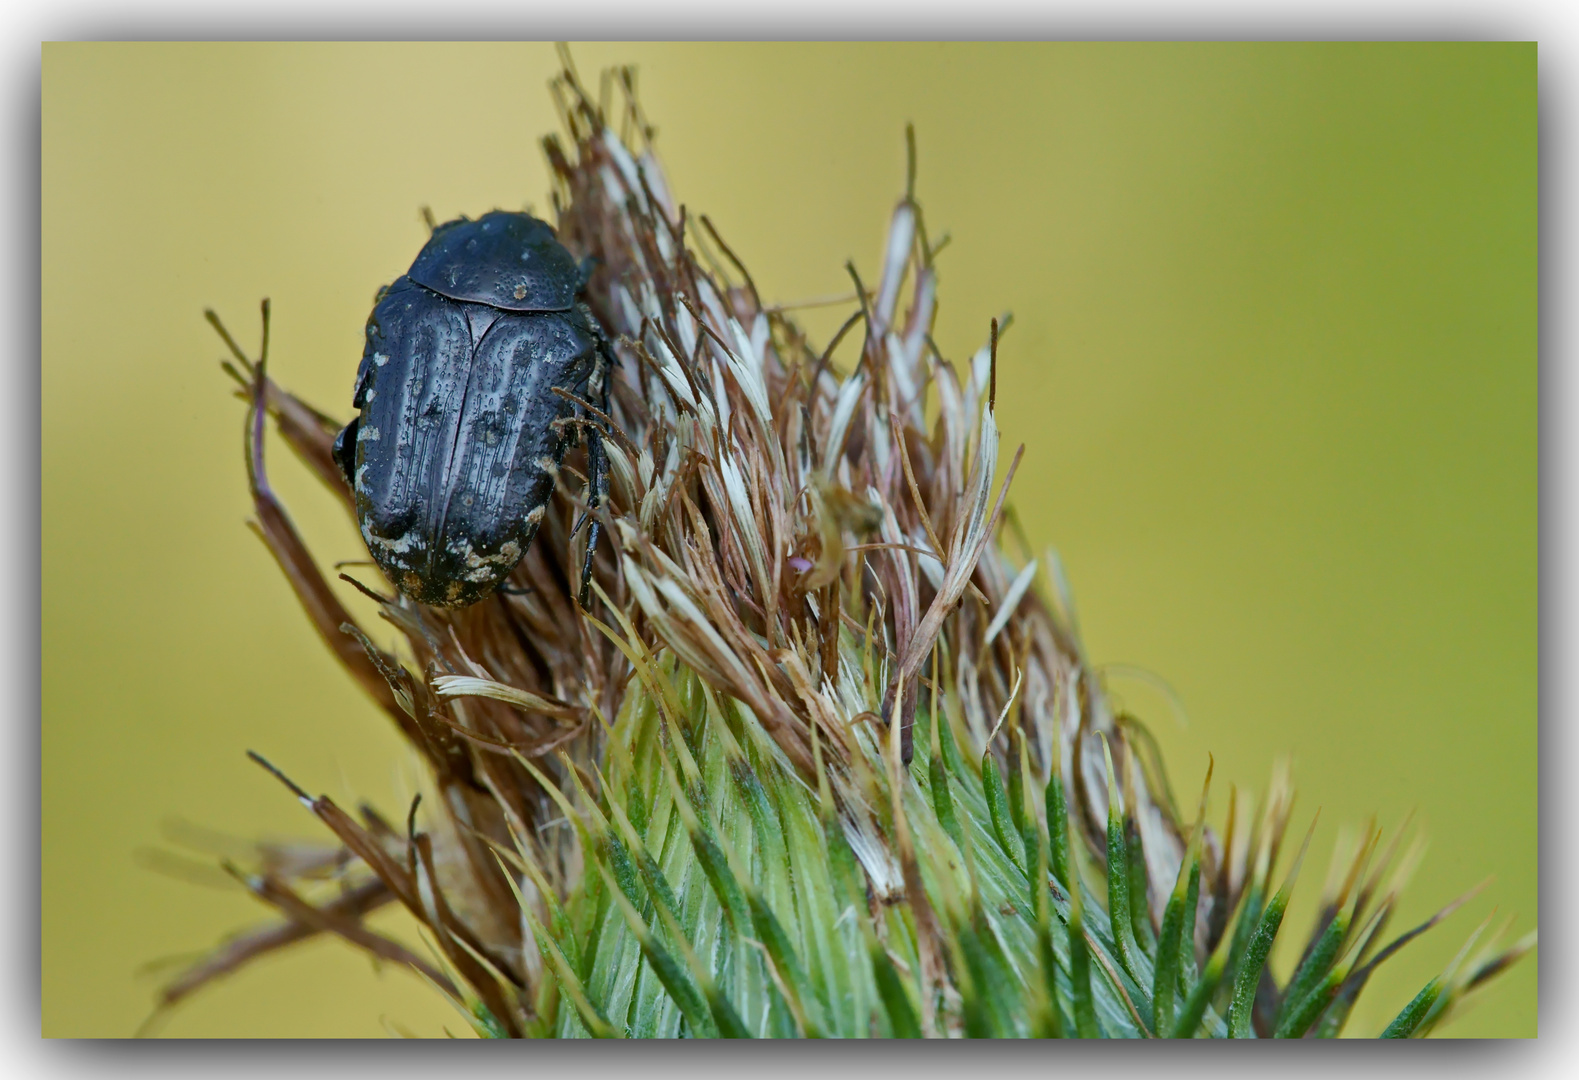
[{"x": 585, "y": 599}]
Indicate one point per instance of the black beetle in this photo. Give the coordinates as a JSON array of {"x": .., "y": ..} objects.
[{"x": 463, "y": 418}]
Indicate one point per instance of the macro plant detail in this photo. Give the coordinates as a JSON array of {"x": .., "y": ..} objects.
[{"x": 823, "y": 754}]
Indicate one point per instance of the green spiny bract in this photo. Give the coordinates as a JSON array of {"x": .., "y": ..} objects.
[{"x": 823, "y": 758}]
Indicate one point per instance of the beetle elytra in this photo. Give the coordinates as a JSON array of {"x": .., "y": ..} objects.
[{"x": 465, "y": 411}]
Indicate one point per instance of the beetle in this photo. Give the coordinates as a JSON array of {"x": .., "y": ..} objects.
[{"x": 464, "y": 407}]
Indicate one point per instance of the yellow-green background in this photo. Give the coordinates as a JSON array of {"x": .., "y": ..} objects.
[{"x": 1273, "y": 361}]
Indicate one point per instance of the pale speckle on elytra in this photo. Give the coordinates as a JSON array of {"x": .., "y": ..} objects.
[
  {"x": 508, "y": 555},
  {"x": 380, "y": 359},
  {"x": 398, "y": 546},
  {"x": 367, "y": 434}
]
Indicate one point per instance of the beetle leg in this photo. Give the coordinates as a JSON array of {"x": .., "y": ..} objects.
[
  {"x": 600, "y": 468},
  {"x": 597, "y": 467}
]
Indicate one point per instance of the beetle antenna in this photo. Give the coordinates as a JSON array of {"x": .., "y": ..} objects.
[{"x": 428, "y": 219}]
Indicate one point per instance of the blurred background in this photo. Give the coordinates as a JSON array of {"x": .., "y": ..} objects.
[{"x": 1273, "y": 361}]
